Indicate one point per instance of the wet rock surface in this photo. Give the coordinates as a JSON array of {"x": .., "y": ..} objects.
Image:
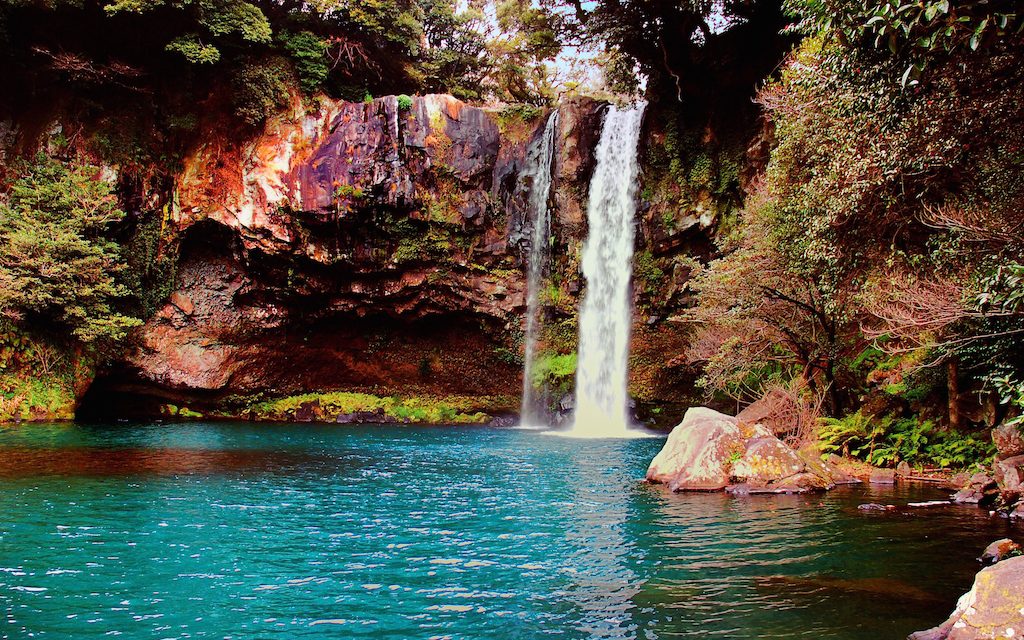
[
  {"x": 1009, "y": 473},
  {"x": 1009, "y": 441}
]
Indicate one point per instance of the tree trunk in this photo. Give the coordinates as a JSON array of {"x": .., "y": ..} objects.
[
  {"x": 953, "y": 392},
  {"x": 835, "y": 395}
]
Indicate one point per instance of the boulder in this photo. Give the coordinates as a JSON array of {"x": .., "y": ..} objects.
[
  {"x": 993, "y": 608},
  {"x": 1008, "y": 440},
  {"x": 1016, "y": 512},
  {"x": 1009, "y": 473},
  {"x": 882, "y": 476},
  {"x": 981, "y": 490},
  {"x": 903, "y": 469},
  {"x": 959, "y": 480},
  {"x": 999, "y": 550},
  {"x": 710, "y": 451},
  {"x": 308, "y": 411}
]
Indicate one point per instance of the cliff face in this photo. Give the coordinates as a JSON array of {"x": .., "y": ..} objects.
[{"x": 369, "y": 246}]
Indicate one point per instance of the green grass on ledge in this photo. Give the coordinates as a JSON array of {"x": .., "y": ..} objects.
[{"x": 412, "y": 409}]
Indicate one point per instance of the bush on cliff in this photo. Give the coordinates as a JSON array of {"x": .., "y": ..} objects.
[{"x": 59, "y": 268}]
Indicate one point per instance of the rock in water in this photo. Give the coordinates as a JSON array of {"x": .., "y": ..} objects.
[
  {"x": 697, "y": 451},
  {"x": 981, "y": 490},
  {"x": 710, "y": 451},
  {"x": 999, "y": 550},
  {"x": 903, "y": 469},
  {"x": 874, "y": 506},
  {"x": 993, "y": 608}
]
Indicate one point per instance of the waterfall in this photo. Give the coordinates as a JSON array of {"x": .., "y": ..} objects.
[
  {"x": 606, "y": 312},
  {"x": 538, "y": 167}
]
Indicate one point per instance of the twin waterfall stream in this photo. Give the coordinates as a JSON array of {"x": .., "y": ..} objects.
[{"x": 601, "y": 402}]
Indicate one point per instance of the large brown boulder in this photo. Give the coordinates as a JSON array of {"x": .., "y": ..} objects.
[
  {"x": 1008, "y": 440},
  {"x": 993, "y": 608},
  {"x": 710, "y": 451},
  {"x": 1009, "y": 473},
  {"x": 981, "y": 490}
]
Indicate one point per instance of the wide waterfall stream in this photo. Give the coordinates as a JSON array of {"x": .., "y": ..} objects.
[
  {"x": 538, "y": 168},
  {"x": 606, "y": 312}
]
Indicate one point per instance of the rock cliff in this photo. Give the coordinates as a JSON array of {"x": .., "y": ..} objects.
[
  {"x": 372, "y": 246},
  {"x": 377, "y": 248}
]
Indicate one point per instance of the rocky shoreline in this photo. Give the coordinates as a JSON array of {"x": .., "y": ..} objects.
[{"x": 711, "y": 451}]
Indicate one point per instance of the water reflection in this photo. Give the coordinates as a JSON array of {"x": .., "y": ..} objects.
[
  {"x": 22, "y": 462},
  {"x": 604, "y": 584}
]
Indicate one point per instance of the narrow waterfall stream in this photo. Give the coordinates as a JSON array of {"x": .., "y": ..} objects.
[
  {"x": 538, "y": 167},
  {"x": 606, "y": 310}
]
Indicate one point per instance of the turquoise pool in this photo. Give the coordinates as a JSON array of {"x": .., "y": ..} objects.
[{"x": 225, "y": 530}]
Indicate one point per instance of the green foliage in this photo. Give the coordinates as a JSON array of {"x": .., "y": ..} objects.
[
  {"x": 261, "y": 88},
  {"x": 218, "y": 20},
  {"x": 1011, "y": 393},
  {"x": 455, "y": 59},
  {"x": 887, "y": 440},
  {"x": 151, "y": 264},
  {"x": 415, "y": 409},
  {"x": 883, "y": 213},
  {"x": 349, "y": 191},
  {"x": 517, "y": 122},
  {"x": 309, "y": 54},
  {"x": 194, "y": 50},
  {"x": 647, "y": 271},
  {"x": 37, "y": 377},
  {"x": 59, "y": 269},
  {"x": 915, "y": 31},
  {"x": 554, "y": 371},
  {"x": 404, "y": 102},
  {"x": 1002, "y": 291},
  {"x": 155, "y": 62}
]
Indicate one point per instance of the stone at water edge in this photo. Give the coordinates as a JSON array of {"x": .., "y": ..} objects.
[
  {"x": 993, "y": 608},
  {"x": 710, "y": 451},
  {"x": 874, "y": 506},
  {"x": 903, "y": 469},
  {"x": 882, "y": 476},
  {"x": 1009, "y": 441},
  {"x": 1009, "y": 473},
  {"x": 696, "y": 452},
  {"x": 981, "y": 490},
  {"x": 959, "y": 481},
  {"x": 999, "y": 550}
]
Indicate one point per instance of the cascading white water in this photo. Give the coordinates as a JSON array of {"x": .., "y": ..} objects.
[
  {"x": 606, "y": 313},
  {"x": 539, "y": 157}
]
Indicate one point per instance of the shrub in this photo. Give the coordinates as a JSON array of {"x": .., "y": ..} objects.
[
  {"x": 309, "y": 54},
  {"x": 885, "y": 441},
  {"x": 555, "y": 371},
  {"x": 59, "y": 269},
  {"x": 261, "y": 88},
  {"x": 404, "y": 102}
]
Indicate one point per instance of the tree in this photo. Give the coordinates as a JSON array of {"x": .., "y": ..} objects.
[
  {"x": 765, "y": 317},
  {"x": 58, "y": 266}
]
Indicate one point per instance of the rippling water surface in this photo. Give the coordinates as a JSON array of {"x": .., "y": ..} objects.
[{"x": 287, "y": 531}]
